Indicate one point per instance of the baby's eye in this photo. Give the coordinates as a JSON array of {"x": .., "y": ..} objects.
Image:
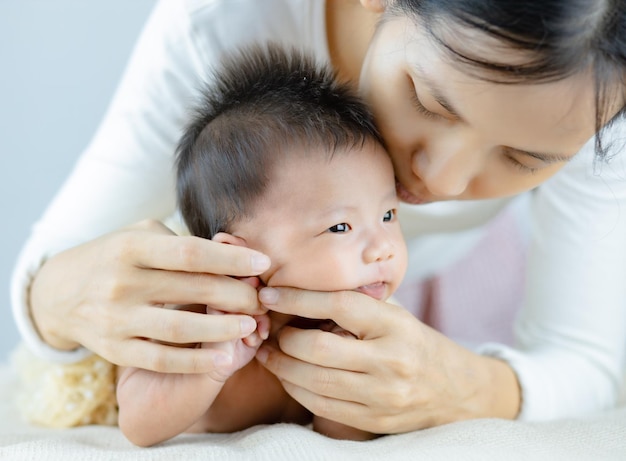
[
  {"x": 343, "y": 227},
  {"x": 389, "y": 215}
]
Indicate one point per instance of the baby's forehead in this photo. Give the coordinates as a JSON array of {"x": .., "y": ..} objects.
[
  {"x": 318, "y": 179},
  {"x": 300, "y": 153},
  {"x": 312, "y": 163}
]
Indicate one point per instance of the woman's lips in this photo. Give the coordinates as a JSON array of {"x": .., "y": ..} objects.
[
  {"x": 376, "y": 290},
  {"x": 407, "y": 197}
]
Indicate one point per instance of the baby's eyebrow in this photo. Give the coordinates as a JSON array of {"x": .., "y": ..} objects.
[{"x": 336, "y": 210}]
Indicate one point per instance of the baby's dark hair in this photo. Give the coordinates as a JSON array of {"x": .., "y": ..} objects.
[
  {"x": 559, "y": 38},
  {"x": 263, "y": 103}
]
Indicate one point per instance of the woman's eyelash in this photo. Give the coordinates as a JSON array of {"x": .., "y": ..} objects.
[
  {"x": 520, "y": 166},
  {"x": 421, "y": 109},
  {"x": 433, "y": 116}
]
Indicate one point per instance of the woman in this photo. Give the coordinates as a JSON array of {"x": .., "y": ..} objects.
[{"x": 477, "y": 101}]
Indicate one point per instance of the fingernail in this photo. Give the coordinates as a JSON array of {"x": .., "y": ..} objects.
[
  {"x": 264, "y": 332},
  {"x": 260, "y": 263},
  {"x": 268, "y": 295},
  {"x": 252, "y": 341},
  {"x": 262, "y": 353},
  {"x": 247, "y": 325}
]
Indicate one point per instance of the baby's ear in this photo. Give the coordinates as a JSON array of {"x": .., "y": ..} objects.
[
  {"x": 229, "y": 239},
  {"x": 223, "y": 237}
]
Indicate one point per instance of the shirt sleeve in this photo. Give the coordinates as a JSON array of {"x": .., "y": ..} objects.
[
  {"x": 571, "y": 333},
  {"x": 126, "y": 173}
]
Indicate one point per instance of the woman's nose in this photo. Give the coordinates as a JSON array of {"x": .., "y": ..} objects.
[{"x": 447, "y": 166}]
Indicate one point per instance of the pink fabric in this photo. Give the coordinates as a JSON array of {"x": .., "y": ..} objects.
[{"x": 476, "y": 299}]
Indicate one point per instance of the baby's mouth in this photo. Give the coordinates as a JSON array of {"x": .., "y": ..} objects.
[{"x": 376, "y": 290}]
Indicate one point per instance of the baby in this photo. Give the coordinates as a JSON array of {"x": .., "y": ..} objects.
[{"x": 282, "y": 158}]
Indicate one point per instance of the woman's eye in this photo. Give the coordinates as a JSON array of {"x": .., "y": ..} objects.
[
  {"x": 389, "y": 216},
  {"x": 338, "y": 228},
  {"x": 421, "y": 109},
  {"x": 520, "y": 166}
]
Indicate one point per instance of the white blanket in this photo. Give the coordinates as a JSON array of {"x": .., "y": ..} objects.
[{"x": 602, "y": 437}]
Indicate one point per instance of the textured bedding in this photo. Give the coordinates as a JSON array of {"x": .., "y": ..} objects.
[{"x": 599, "y": 437}]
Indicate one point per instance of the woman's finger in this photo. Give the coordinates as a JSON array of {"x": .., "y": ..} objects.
[
  {"x": 194, "y": 254},
  {"x": 218, "y": 291},
  {"x": 362, "y": 315},
  {"x": 325, "y": 349},
  {"x": 170, "y": 359},
  {"x": 347, "y": 412},
  {"x": 182, "y": 327},
  {"x": 329, "y": 382}
]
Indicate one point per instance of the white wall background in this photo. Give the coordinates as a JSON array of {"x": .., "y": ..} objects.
[{"x": 60, "y": 61}]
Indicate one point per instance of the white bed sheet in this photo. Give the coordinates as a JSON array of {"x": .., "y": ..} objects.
[{"x": 601, "y": 437}]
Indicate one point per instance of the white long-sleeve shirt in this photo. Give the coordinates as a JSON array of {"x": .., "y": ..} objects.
[{"x": 571, "y": 332}]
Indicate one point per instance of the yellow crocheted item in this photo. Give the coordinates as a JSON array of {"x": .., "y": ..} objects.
[{"x": 65, "y": 395}]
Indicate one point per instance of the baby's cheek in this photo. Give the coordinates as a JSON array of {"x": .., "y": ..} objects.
[
  {"x": 335, "y": 274},
  {"x": 324, "y": 271}
]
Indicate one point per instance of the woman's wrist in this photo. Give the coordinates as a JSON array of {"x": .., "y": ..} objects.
[
  {"x": 51, "y": 328},
  {"x": 486, "y": 388},
  {"x": 505, "y": 398}
]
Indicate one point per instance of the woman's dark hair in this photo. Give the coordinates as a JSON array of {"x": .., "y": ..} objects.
[
  {"x": 560, "y": 38},
  {"x": 263, "y": 103}
]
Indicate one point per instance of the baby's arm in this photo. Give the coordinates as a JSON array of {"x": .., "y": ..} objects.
[
  {"x": 252, "y": 396},
  {"x": 154, "y": 407}
]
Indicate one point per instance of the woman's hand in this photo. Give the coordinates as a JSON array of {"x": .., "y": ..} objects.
[
  {"x": 241, "y": 350},
  {"x": 106, "y": 294},
  {"x": 400, "y": 375}
]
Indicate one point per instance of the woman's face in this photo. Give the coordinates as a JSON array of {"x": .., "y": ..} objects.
[{"x": 453, "y": 136}]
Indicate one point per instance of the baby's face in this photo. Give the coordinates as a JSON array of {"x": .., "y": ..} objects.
[{"x": 331, "y": 225}]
